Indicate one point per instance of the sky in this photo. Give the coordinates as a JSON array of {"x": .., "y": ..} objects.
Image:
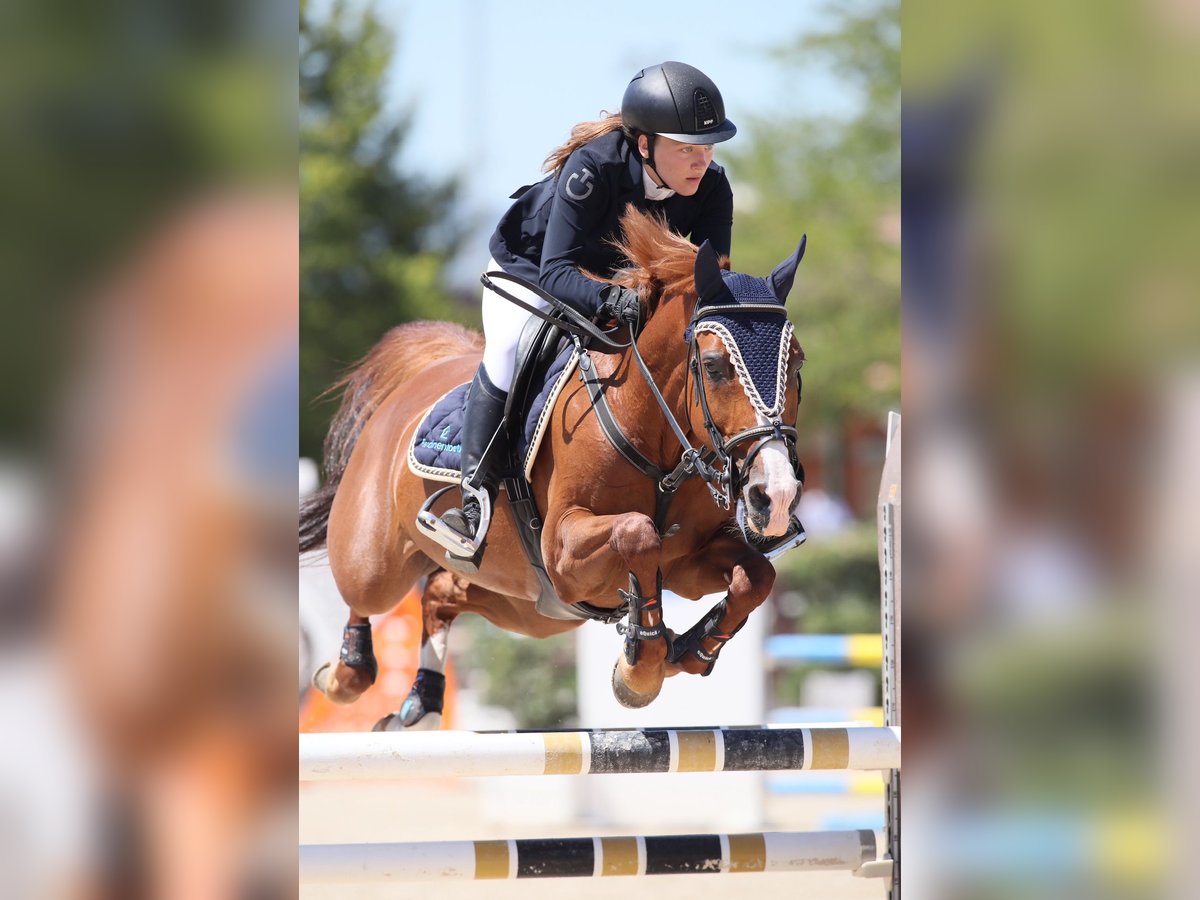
[{"x": 494, "y": 85}]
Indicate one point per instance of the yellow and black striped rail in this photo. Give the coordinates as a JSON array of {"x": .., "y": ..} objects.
[
  {"x": 590, "y": 857},
  {"x": 465, "y": 753}
]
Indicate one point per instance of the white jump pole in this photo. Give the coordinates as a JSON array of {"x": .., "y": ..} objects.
[
  {"x": 590, "y": 857},
  {"x": 384, "y": 755}
]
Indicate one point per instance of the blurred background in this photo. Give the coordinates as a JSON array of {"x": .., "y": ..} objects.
[
  {"x": 1050, "y": 396},
  {"x": 148, "y": 276}
]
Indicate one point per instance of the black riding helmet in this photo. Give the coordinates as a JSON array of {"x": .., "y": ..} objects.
[{"x": 677, "y": 101}]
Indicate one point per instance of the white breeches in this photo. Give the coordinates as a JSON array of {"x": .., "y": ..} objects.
[{"x": 502, "y": 324}]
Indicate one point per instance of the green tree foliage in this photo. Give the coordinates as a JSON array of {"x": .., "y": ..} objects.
[
  {"x": 838, "y": 179},
  {"x": 532, "y": 679},
  {"x": 374, "y": 239},
  {"x": 833, "y": 582}
]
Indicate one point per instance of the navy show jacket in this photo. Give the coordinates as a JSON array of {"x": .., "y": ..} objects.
[{"x": 562, "y": 224}]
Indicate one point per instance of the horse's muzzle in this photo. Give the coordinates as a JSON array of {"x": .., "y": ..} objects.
[
  {"x": 769, "y": 513},
  {"x": 772, "y": 489}
]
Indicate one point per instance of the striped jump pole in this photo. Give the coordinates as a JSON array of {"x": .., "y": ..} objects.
[
  {"x": 588, "y": 857},
  {"x": 834, "y": 783},
  {"x": 383, "y": 755},
  {"x": 813, "y": 715}
]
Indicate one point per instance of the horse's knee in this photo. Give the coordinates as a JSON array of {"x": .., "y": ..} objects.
[
  {"x": 443, "y": 599},
  {"x": 445, "y": 587},
  {"x": 635, "y": 537},
  {"x": 752, "y": 579},
  {"x": 368, "y": 591}
]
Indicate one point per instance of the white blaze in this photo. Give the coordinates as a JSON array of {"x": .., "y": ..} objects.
[
  {"x": 772, "y": 471},
  {"x": 780, "y": 484}
]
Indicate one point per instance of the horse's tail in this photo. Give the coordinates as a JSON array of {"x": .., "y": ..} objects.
[{"x": 404, "y": 352}]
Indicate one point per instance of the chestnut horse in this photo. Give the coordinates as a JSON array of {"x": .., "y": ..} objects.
[{"x": 717, "y": 348}]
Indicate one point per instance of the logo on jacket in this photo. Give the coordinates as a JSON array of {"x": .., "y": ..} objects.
[{"x": 585, "y": 180}]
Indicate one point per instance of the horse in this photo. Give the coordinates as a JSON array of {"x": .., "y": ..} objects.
[{"x": 671, "y": 463}]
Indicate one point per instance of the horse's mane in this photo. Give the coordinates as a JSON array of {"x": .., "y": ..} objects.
[{"x": 662, "y": 263}]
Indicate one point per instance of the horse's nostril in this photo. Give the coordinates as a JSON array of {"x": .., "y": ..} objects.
[{"x": 758, "y": 497}]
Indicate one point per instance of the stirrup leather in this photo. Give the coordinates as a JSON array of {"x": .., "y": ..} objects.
[{"x": 447, "y": 537}]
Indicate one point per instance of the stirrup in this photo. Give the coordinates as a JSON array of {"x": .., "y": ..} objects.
[{"x": 438, "y": 531}]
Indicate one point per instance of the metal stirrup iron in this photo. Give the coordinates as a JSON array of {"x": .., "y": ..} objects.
[{"x": 449, "y": 538}]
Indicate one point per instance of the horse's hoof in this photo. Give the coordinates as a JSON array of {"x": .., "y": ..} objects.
[
  {"x": 395, "y": 722},
  {"x": 387, "y": 723},
  {"x": 320, "y": 678},
  {"x": 343, "y": 694},
  {"x": 627, "y": 698}
]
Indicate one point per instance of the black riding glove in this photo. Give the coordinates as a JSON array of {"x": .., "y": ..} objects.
[{"x": 621, "y": 304}]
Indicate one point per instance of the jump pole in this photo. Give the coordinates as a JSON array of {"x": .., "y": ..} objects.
[
  {"x": 382, "y": 755},
  {"x": 590, "y": 857}
]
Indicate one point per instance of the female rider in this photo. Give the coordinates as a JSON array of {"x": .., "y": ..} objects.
[{"x": 656, "y": 154}]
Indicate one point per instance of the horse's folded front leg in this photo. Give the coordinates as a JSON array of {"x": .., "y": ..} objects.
[
  {"x": 703, "y": 640},
  {"x": 749, "y": 576},
  {"x": 593, "y": 551}
]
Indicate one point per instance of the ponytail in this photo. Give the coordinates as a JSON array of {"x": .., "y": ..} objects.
[{"x": 584, "y": 133}]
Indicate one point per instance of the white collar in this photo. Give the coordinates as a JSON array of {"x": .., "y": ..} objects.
[{"x": 653, "y": 191}]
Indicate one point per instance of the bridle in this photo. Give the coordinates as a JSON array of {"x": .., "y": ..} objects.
[
  {"x": 717, "y": 465},
  {"x": 733, "y": 475}
]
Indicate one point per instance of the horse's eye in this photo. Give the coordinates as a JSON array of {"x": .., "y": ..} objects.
[
  {"x": 795, "y": 361},
  {"x": 715, "y": 367}
]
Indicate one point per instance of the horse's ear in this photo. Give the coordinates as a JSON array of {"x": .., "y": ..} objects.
[
  {"x": 709, "y": 283},
  {"x": 785, "y": 272}
]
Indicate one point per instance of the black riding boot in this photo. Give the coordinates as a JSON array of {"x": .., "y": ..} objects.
[{"x": 484, "y": 446}]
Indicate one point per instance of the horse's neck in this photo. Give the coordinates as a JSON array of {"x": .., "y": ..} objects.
[{"x": 665, "y": 354}]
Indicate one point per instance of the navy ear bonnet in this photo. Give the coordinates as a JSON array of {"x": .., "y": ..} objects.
[
  {"x": 756, "y": 339},
  {"x": 747, "y": 289}
]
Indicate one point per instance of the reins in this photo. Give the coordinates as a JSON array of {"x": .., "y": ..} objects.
[
  {"x": 575, "y": 323},
  {"x": 693, "y": 461}
]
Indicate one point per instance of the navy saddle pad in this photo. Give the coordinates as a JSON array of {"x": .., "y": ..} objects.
[{"x": 438, "y": 440}]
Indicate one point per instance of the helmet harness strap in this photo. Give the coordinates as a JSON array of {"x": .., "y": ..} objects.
[{"x": 648, "y": 159}]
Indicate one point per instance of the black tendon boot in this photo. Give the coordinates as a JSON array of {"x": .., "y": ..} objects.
[{"x": 484, "y": 446}]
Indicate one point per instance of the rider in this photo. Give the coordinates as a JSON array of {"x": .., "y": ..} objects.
[{"x": 656, "y": 154}]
